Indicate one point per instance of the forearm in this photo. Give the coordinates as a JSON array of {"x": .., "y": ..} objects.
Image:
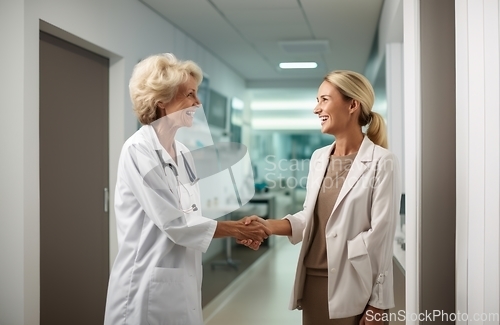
[
  {"x": 225, "y": 229},
  {"x": 240, "y": 230},
  {"x": 280, "y": 227}
]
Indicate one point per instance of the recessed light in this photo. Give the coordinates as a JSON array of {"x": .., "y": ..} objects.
[{"x": 298, "y": 65}]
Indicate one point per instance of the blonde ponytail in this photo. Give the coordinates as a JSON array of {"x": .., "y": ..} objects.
[
  {"x": 377, "y": 131},
  {"x": 354, "y": 85}
]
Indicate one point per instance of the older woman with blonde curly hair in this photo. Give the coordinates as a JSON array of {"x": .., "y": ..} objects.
[{"x": 162, "y": 233}]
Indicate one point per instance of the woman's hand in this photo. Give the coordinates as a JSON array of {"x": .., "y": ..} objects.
[
  {"x": 254, "y": 231},
  {"x": 372, "y": 316},
  {"x": 248, "y": 242}
]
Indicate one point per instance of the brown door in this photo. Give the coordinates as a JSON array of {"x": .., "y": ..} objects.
[{"x": 74, "y": 238}]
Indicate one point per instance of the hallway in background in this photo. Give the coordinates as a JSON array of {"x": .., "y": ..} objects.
[
  {"x": 262, "y": 294},
  {"x": 217, "y": 276}
]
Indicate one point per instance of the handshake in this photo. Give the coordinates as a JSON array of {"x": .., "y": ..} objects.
[{"x": 252, "y": 231}]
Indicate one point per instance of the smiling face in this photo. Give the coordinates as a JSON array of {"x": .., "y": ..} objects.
[
  {"x": 181, "y": 108},
  {"x": 337, "y": 114}
]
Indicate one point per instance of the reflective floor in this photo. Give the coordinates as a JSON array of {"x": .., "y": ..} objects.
[
  {"x": 261, "y": 295},
  {"x": 219, "y": 272}
]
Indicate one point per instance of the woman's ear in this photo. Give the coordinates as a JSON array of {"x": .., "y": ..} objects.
[
  {"x": 160, "y": 110},
  {"x": 355, "y": 105}
]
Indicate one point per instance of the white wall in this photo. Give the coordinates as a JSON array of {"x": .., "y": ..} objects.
[
  {"x": 395, "y": 102},
  {"x": 123, "y": 30},
  {"x": 12, "y": 177},
  {"x": 478, "y": 157},
  {"x": 413, "y": 154},
  {"x": 390, "y": 30}
]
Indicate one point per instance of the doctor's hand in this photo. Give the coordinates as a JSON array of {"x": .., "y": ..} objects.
[
  {"x": 249, "y": 242},
  {"x": 255, "y": 231}
]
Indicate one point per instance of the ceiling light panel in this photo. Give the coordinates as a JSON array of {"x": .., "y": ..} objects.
[
  {"x": 212, "y": 24},
  {"x": 255, "y": 4},
  {"x": 305, "y": 46},
  {"x": 298, "y": 65}
]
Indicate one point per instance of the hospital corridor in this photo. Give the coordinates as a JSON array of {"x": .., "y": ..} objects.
[
  {"x": 138, "y": 134},
  {"x": 261, "y": 295}
]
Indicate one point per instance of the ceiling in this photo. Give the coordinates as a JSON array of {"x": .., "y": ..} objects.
[{"x": 248, "y": 36}]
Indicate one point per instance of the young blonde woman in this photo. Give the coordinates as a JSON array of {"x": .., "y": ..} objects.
[{"x": 344, "y": 272}]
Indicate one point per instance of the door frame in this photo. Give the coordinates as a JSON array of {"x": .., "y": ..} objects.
[{"x": 116, "y": 124}]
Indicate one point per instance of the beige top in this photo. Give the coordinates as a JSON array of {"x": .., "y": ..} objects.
[{"x": 335, "y": 175}]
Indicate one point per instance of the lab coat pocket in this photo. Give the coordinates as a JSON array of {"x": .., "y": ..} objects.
[
  {"x": 167, "y": 303},
  {"x": 360, "y": 261}
]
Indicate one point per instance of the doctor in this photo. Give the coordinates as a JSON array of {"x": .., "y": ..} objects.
[
  {"x": 344, "y": 272},
  {"x": 157, "y": 274}
]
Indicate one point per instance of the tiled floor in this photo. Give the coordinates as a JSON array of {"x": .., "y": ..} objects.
[{"x": 261, "y": 295}]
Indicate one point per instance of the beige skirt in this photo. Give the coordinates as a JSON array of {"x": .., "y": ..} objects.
[{"x": 315, "y": 304}]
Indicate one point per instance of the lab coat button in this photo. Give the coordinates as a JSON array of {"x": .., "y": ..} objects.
[
  {"x": 333, "y": 270},
  {"x": 334, "y": 235}
]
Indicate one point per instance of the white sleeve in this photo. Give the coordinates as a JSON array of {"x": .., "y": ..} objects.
[
  {"x": 379, "y": 238},
  {"x": 146, "y": 178}
]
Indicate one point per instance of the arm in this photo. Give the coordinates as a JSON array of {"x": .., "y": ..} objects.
[
  {"x": 291, "y": 225},
  {"x": 277, "y": 227},
  {"x": 147, "y": 180},
  {"x": 146, "y": 183},
  {"x": 236, "y": 229},
  {"x": 240, "y": 230},
  {"x": 379, "y": 238}
]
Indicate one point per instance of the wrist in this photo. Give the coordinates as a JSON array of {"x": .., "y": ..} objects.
[
  {"x": 271, "y": 224},
  {"x": 225, "y": 229}
]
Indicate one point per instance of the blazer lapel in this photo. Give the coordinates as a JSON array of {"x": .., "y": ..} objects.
[
  {"x": 319, "y": 165},
  {"x": 359, "y": 166}
]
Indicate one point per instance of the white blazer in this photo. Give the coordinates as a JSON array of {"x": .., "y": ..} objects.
[
  {"x": 359, "y": 232},
  {"x": 157, "y": 274}
]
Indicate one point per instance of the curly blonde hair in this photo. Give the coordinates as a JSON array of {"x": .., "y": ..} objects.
[
  {"x": 353, "y": 85},
  {"x": 157, "y": 79}
]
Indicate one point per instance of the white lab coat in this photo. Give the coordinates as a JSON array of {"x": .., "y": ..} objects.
[
  {"x": 359, "y": 232},
  {"x": 157, "y": 274}
]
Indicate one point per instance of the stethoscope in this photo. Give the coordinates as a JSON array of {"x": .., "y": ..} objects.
[{"x": 192, "y": 177}]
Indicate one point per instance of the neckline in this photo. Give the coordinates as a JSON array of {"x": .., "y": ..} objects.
[
  {"x": 332, "y": 156},
  {"x": 158, "y": 144}
]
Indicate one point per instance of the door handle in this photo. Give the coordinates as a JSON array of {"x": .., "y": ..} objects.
[{"x": 106, "y": 199}]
